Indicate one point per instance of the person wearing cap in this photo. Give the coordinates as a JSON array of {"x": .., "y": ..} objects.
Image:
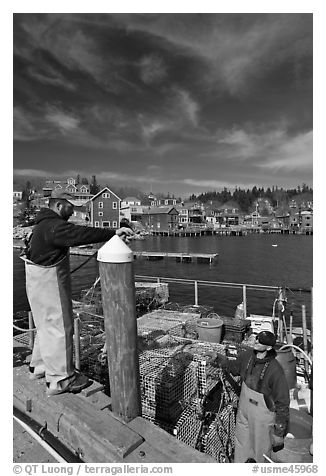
[
  {"x": 263, "y": 410},
  {"x": 48, "y": 288}
]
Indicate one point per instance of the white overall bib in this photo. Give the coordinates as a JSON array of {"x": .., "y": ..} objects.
[
  {"x": 254, "y": 427},
  {"x": 48, "y": 290}
]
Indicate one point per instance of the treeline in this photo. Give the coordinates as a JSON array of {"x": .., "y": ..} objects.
[
  {"x": 30, "y": 184},
  {"x": 246, "y": 198}
]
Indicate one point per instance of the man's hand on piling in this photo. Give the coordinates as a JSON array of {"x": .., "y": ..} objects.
[{"x": 125, "y": 234}]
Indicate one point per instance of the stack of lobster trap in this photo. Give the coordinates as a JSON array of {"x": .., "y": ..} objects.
[{"x": 182, "y": 391}]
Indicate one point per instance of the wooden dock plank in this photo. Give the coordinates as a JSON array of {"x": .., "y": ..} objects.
[
  {"x": 86, "y": 426},
  {"x": 96, "y": 434},
  {"x": 176, "y": 450}
]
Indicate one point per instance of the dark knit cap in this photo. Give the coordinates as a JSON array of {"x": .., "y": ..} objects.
[{"x": 266, "y": 338}]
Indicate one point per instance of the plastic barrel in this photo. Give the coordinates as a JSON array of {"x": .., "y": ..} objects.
[
  {"x": 287, "y": 360},
  {"x": 210, "y": 330}
]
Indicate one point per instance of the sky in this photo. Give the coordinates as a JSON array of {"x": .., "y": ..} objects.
[{"x": 166, "y": 102}]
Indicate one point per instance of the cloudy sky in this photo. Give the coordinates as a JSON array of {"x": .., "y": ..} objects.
[{"x": 180, "y": 103}]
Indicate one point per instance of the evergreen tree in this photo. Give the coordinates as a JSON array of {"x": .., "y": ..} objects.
[
  {"x": 94, "y": 187},
  {"x": 26, "y": 195}
]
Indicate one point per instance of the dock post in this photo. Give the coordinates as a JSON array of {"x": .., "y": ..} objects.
[
  {"x": 77, "y": 341},
  {"x": 31, "y": 325},
  {"x": 305, "y": 338},
  {"x": 244, "y": 299},
  {"x": 119, "y": 309},
  {"x": 311, "y": 325},
  {"x": 196, "y": 293}
]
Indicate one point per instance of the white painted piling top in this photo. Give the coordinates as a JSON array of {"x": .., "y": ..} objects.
[{"x": 115, "y": 251}]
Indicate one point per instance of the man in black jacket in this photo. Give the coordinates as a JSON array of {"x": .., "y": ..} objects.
[
  {"x": 48, "y": 287},
  {"x": 263, "y": 412}
]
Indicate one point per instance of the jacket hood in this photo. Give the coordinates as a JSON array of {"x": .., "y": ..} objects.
[{"x": 45, "y": 213}]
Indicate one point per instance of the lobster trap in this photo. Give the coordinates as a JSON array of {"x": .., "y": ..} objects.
[
  {"x": 149, "y": 296},
  {"x": 181, "y": 390},
  {"x": 211, "y": 430}
]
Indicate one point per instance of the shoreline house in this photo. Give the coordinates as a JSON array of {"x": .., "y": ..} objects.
[
  {"x": 306, "y": 222},
  {"x": 131, "y": 208},
  {"x": 105, "y": 209},
  {"x": 160, "y": 218},
  {"x": 229, "y": 214},
  {"x": 301, "y": 215},
  {"x": 162, "y": 202},
  {"x": 211, "y": 211},
  {"x": 81, "y": 192},
  {"x": 17, "y": 194},
  {"x": 183, "y": 219},
  {"x": 196, "y": 213}
]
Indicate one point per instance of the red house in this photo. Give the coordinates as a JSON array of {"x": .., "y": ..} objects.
[
  {"x": 160, "y": 218},
  {"x": 105, "y": 209}
]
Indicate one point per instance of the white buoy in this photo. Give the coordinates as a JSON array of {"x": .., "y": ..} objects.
[{"x": 115, "y": 251}]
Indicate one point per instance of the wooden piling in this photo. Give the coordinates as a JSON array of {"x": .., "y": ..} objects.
[
  {"x": 77, "y": 341},
  {"x": 119, "y": 309},
  {"x": 305, "y": 338},
  {"x": 290, "y": 339},
  {"x": 196, "y": 293},
  {"x": 311, "y": 324},
  {"x": 244, "y": 299}
]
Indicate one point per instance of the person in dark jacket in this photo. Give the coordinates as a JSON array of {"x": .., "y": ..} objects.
[
  {"x": 48, "y": 287},
  {"x": 263, "y": 411}
]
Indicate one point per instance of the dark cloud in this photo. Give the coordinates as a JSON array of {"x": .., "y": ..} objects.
[{"x": 213, "y": 97}]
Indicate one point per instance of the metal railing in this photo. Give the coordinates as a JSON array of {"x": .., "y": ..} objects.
[{"x": 220, "y": 284}]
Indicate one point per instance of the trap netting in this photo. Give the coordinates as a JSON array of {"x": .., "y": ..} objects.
[
  {"x": 182, "y": 391},
  {"x": 149, "y": 296}
]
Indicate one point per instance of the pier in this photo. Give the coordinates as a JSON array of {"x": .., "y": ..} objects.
[
  {"x": 157, "y": 255},
  {"x": 229, "y": 231},
  {"x": 179, "y": 257}
]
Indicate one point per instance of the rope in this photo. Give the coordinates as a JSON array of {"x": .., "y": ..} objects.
[
  {"x": 83, "y": 263},
  {"x": 71, "y": 272},
  {"x": 298, "y": 348},
  {"x": 23, "y": 330}
]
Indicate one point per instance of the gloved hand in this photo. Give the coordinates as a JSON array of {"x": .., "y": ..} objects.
[
  {"x": 277, "y": 443},
  {"x": 125, "y": 234},
  {"x": 213, "y": 358}
]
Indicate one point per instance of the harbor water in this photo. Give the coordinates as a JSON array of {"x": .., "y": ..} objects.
[{"x": 251, "y": 259}]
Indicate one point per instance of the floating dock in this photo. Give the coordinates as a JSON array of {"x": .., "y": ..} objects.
[
  {"x": 182, "y": 257},
  {"x": 157, "y": 255}
]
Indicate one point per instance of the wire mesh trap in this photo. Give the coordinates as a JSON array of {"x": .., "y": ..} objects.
[{"x": 181, "y": 391}]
